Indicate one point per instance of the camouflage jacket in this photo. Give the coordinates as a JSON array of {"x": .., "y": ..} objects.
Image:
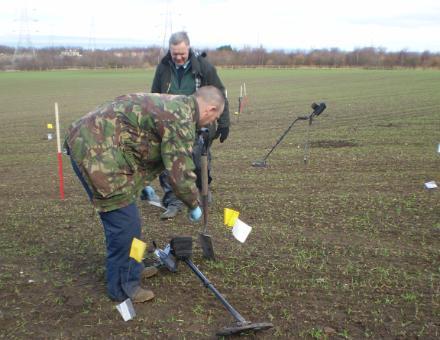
[{"x": 124, "y": 144}]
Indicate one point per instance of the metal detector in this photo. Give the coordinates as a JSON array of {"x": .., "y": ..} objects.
[
  {"x": 204, "y": 238},
  {"x": 317, "y": 110},
  {"x": 180, "y": 248}
]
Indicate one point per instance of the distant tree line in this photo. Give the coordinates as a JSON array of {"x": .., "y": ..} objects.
[{"x": 226, "y": 56}]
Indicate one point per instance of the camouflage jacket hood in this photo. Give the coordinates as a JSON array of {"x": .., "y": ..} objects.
[{"x": 124, "y": 144}]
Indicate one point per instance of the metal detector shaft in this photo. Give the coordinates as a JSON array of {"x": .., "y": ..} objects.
[
  {"x": 211, "y": 287},
  {"x": 317, "y": 110},
  {"x": 282, "y": 136}
]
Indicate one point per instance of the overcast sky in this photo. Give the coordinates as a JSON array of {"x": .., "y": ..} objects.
[{"x": 347, "y": 24}]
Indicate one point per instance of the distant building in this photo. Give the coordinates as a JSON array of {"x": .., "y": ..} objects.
[{"x": 71, "y": 53}]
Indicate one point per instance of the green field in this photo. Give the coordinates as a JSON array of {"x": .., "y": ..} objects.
[{"x": 345, "y": 246}]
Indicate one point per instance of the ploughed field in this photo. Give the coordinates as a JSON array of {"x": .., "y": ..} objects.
[{"x": 344, "y": 246}]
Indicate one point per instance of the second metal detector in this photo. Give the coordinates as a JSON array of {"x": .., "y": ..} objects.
[{"x": 317, "y": 110}]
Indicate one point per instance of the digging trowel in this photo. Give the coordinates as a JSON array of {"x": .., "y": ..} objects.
[{"x": 204, "y": 238}]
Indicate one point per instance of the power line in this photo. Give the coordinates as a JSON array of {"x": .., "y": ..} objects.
[{"x": 24, "y": 42}]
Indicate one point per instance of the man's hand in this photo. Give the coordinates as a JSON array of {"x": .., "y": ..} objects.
[
  {"x": 223, "y": 132},
  {"x": 195, "y": 214}
]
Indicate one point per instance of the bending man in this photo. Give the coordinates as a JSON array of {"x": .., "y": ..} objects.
[{"x": 123, "y": 145}]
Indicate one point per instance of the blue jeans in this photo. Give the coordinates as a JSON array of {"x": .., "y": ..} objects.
[{"x": 120, "y": 227}]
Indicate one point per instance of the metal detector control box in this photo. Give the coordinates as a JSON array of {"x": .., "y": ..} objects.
[{"x": 181, "y": 247}]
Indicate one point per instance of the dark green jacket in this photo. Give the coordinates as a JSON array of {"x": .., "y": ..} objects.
[{"x": 203, "y": 74}]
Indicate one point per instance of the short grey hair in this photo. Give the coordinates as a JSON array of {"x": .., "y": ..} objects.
[
  {"x": 178, "y": 37},
  {"x": 212, "y": 96}
]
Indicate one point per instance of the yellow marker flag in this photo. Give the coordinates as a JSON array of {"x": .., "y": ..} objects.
[
  {"x": 137, "y": 249},
  {"x": 230, "y": 217},
  {"x": 49, "y": 126}
]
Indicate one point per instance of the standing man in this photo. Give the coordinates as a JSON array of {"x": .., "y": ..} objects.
[
  {"x": 120, "y": 147},
  {"x": 182, "y": 71}
]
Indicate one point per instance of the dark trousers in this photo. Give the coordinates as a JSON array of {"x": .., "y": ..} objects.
[
  {"x": 120, "y": 227},
  {"x": 169, "y": 197}
]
